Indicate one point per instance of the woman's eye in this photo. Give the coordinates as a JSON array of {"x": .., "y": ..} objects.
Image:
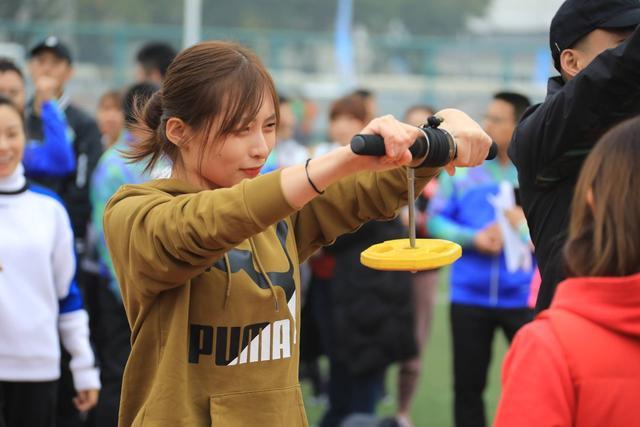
[{"x": 270, "y": 125}]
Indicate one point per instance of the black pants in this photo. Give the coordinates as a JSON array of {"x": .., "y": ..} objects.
[
  {"x": 473, "y": 330},
  {"x": 111, "y": 336},
  {"x": 28, "y": 404},
  {"x": 113, "y": 343}
]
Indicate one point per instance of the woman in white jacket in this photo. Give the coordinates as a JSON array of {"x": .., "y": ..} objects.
[{"x": 40, "y": 304}]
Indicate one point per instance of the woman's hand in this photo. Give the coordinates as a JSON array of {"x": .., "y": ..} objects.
[
  {"x": 473, "y": 142},
  {"x": 516, "y": 217},
  {"x": 398, "y": 137},
  {"x": 86, "y": 399},
  {"x": 473, "y": 146}
]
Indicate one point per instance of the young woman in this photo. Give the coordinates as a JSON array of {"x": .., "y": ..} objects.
[
  {"x": 39, "y": 301},
  {"x": 110, "y": 118},
  {"x": 577, "y": 363},
  {"x": 208, "y": 260},
  {"x": 50, "y": 152}
]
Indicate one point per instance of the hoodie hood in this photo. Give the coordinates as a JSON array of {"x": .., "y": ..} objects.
[{"x": 611, "y": 302}]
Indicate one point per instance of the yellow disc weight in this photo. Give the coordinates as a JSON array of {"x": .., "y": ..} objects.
[{"x": 398, "y": 255}]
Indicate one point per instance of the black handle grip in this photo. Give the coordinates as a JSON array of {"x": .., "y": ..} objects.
[{"x": 373, "y": 145}]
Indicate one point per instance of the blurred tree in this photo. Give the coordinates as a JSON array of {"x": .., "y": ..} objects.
[
  {"x": 23, "y": 12},
  {"x": 30, "y": 10},
  {"x": 138, "y": 11},
  {"x": 419, "y": 17}
]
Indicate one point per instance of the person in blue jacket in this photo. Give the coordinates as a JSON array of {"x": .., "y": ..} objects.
[
  {"x": 53, "y": 156},
  {"x": 485, "y": 293}
]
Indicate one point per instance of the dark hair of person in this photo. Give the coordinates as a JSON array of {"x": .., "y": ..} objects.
[
  {"x": 351, "y": 106},
  {"x": 7, "y": 65},
  {"x": 114, "y": 96},
  {"x": 135, "y": 98},
  {"x": 156, "y": 56},
  {"x": 519, "y": 102},
  {"x": 605, "y": 214},
  {"x": 211, "y": 82},
  {"x": 363, "y": 93}
]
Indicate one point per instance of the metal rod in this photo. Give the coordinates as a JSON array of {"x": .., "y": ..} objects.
[{"x": 411, "y": 196}]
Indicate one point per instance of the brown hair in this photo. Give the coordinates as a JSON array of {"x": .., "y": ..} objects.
[
  {"x": 209, "y": 81},
  {"x": 113, "y": 96},
  {"x": 352, "y": 106},
  {"x": 604, "y": 236}
]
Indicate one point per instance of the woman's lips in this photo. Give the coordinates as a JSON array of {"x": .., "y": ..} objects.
[{"x": 252, "y": 172}]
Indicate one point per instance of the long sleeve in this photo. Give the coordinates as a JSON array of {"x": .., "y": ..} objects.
[
  {"x": 536, "y": 384},
  {"x": 171, "y": 238},
  {"x": 73, "y": 326},
  {"x": 443, "y": 208},
  {"x": 562, "y": 130},
  {"x": 351, "y": 202},
  {"x": 524, "y": 233},
  {"x": 53, "y": 156},
  {"x": 73, "y": 321},
  {"x": 109, "y": 175},
  {"x": 101, "y": 191}
]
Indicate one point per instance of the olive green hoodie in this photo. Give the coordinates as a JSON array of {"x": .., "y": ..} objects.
[{"x": 210, "y": 282}]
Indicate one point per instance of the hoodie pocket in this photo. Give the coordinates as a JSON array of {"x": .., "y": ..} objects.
[{"x": 281, "y": 407}]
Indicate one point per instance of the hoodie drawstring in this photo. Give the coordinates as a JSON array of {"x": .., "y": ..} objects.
[
  {"x": 228, "y": 287},
  {"x": 264, "y": 273}
]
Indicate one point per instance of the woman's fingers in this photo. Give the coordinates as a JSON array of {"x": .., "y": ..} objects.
[{"x": 398, "y": 137}]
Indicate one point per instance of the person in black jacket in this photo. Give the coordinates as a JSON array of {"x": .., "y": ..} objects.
[
  {"x": 365, "y": 317},
  {"x": 152, "y": 61},
  {"x": 51, "y": 59},
  {"x": 596, "y": 48}
]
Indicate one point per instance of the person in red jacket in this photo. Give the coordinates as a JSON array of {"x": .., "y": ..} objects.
[{"x": 577, "y": 363}]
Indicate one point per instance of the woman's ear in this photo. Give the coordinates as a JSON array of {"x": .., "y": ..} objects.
[{"x": 177, "y": 131}]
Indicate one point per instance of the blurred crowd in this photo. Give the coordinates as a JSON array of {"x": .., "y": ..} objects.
[{"x": 362, "y": 321}]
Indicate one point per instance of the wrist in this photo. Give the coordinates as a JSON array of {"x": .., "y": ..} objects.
[
  {"x": 349, "y": 161},
  {"x": 441, "y": 148}
]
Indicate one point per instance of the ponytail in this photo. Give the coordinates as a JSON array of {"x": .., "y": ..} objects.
[{"x": 148, "y": 125}]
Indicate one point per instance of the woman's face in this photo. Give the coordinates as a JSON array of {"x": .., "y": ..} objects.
[
  {"x": 110, "y": 118},
  {"x": 236, "y": 157},
  {"x": 342, "y": 128},
  {"x": 12, "y": 140}
]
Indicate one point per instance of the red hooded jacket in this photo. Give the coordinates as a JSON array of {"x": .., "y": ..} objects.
[{"x": 578, "y": 363}]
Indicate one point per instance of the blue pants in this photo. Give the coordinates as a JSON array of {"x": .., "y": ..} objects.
[{"x": 349, "y": 394}]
